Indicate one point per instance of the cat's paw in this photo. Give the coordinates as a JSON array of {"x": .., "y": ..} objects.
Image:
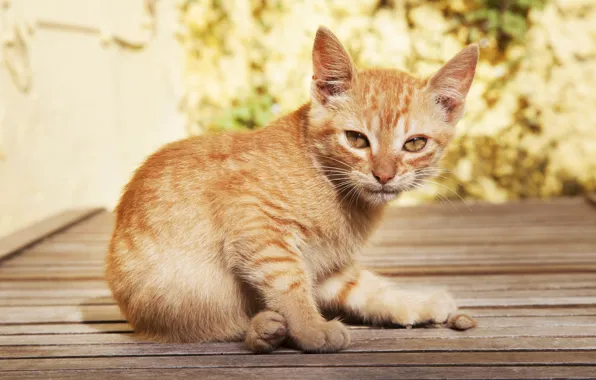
[
  {"x": 424, "y": 307},
  {"x": 330, "y": 336},
  {"x": 438, "y": 307},
  {"x": 267, "y": 331}
]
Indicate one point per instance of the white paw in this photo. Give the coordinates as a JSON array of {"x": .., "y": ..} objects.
[
  {"x": 438, "y": 307},
  {"x": 424, "y": 307}
]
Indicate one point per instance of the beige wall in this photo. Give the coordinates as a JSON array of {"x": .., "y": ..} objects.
[{"x": 80, "y": 110}]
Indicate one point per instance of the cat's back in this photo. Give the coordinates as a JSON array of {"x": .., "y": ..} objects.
[{"x": 188, "y": 173}]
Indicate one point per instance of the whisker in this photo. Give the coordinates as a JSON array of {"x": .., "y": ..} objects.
[
  {"x": 449, "y": 179},
  {"x": 333, "y": 159},
  {"x": 354, "y": 197},
  {"x": 450, "y": 189},
  {"x": 332, "y": 168},
  {"x": 337, "y": 172},
  {"x": 338, "y": 175},
  {"x": 436, "y": 172},
  {"x": 441, "y": 196}
]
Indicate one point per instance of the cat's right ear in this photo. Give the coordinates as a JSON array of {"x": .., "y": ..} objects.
[{"x": 333, "y": 71}]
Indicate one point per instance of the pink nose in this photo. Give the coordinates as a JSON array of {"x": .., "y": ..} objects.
[{"x": 383, "y": 177}]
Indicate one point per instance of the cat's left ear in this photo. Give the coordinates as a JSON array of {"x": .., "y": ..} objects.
[
  {"x": 450, "y": 85},
  {"x": 333, "y": 71}
]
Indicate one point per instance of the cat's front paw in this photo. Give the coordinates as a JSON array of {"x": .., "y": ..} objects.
[
  {"x": 330, "y": 336},
  {"x": 267, "y": 330},
  {"x": 425, "y": 307},
  {"x": 439, "y": 306}
]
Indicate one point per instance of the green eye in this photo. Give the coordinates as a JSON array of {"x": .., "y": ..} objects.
[
  {"x": 416, "y": 144},
  {"x": 357, "y": 140}
]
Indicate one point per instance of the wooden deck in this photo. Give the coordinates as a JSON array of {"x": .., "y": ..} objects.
[{"x": 526, "y": 271}]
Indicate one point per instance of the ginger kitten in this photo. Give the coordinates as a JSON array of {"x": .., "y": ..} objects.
[{"x": 252, "y": 235}]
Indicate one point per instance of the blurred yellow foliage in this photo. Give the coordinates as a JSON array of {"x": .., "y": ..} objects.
[{"x": 529, "y": 129}]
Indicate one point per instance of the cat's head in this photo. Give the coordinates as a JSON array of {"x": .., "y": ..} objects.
[{"x": 379, "y": 132}]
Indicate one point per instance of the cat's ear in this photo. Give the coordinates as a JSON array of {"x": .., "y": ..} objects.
[
  {"x": 333, "y": 71},
  {"x": 450, "y": 85}
]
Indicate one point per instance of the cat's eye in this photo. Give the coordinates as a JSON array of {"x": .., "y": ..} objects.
[
  {"x": 415, "y": 144},
  {"x": 357, "y": 140}
]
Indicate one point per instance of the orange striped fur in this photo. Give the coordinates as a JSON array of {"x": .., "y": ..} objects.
[{"x": 251, "y": 235}]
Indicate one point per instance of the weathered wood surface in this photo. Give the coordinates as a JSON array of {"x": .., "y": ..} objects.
[
  {"x": 28, "y": 236},
  {"x": 526, "y": 271}
]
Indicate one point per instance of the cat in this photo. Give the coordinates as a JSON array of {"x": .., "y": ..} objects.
[{"x": 252, "y": 235}]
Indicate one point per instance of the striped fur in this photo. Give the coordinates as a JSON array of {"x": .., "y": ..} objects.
[{"x": 251, "y": 235}]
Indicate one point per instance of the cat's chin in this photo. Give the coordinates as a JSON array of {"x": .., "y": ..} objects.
[{"x": 378, "y": 198}]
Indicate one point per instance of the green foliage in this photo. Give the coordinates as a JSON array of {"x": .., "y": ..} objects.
[
  {"x": 252, "y": 112},
  {"x": 505, "y": 20}
]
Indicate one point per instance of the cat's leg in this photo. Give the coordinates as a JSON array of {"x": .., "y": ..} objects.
[
  {"x": 277, "y": 271},
  {"x": 376, "y": 300}
]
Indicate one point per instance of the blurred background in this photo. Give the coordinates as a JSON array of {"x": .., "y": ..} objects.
[{"x": 89, "y": 88}]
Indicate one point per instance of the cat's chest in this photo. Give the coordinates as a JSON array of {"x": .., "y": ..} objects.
[{"x": 332, "y": 250}]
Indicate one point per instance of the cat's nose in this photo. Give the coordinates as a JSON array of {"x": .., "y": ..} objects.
[{"x": 383, "y": 176}]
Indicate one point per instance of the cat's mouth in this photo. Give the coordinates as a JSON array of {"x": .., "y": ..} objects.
[
  {"x": 379, "y": 196},
  {"x": 385, "y": 191}
]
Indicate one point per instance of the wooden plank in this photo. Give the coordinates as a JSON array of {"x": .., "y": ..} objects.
[
  {"x": 463, "y": 344},
  {"x": 377, "y": 335},
  {"x": 70, "y": 328},
  {"x": 453, "y": 257},
  {"x": 536, "y": 321},
  {"x": 33, "y": 262},
  {"x": 423, "y": 215},
  {"x": 530, "y": 312},
  {"x": 50, "y": 285},
  {"x": 523, "y": 234},
  {"x": 71, "y": 301},
  {"x": 72, "y": 248},
  {"x": 505, "y": 301},
  {"x": 75, "y": 292},
  {"x": 40, "y": 270},
  {"x": 82, "y": 339},
  {"x": 526, "y": 293},
  {"x": 393, "y": 359},
  {"x": 51, "y": 274},
  {"x": 481, "y": 269},
  {"x": 48, "y": 314},
  {"x": 503, "y": 280},
  {"x": 373, "y": 373},
  {"x": 559, "y": 206},
  {"x": 405, "y": 249},
  {"x": 31, "y": 235},
  {"x": 480, "y": 222}
]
